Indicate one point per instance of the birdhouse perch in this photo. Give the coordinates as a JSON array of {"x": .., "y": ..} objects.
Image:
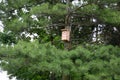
[{"x": 65, "y": 35}]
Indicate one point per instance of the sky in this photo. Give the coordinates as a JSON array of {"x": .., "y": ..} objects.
[
  {"x": 1, "y": 26},
  {"x": 4, "y": 76}
]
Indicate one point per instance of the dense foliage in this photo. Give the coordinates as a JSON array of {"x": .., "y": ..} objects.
[
  {"x": 48, "y": 17},
  {"x": 34, "y": 61},
  {"x": 94, "y": 45}
]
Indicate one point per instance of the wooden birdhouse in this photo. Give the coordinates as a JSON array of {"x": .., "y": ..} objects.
[{"x": 65, "y": 35}]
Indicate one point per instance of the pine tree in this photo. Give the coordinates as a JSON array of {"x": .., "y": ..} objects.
[
  {"x": 39, "y": 60},
  {"x": 48, "y": 18}
]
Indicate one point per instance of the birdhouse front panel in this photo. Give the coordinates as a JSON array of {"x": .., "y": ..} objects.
[{"x": 65, "y": 35}]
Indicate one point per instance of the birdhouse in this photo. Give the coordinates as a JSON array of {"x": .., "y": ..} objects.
[{"x": 65, "y": 35}]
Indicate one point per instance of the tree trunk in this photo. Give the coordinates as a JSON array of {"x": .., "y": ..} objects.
[{"x": 65, "y": 77}]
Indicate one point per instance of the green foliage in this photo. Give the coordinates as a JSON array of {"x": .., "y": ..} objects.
[
  {"x": 7, "y": 38},
  {"x": 51, "y": 16},
  {"x": 111, "y": 16},
  {"x": 16, "y": 25},
  {"x": 59, "y": 9},
  {"x": 43, "y": 8},
  {"x": 37, "y": 61},
  {"x": 91, "y": 9},
  {"x": 16, "y": 3}
]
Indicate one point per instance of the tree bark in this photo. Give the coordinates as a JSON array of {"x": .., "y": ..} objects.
[{"x": 65, "y": 77}]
